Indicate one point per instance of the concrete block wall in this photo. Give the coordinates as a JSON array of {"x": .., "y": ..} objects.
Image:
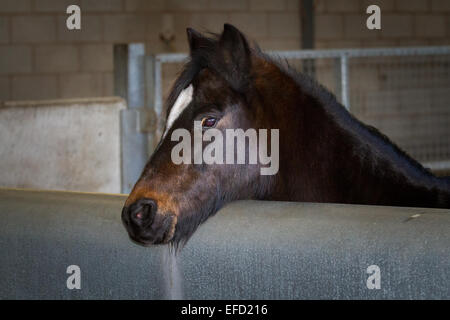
[
  {"x": 342, "y": 23},
  {"x": 64, "y": 144},
  {"x": 42, "y": 59}
]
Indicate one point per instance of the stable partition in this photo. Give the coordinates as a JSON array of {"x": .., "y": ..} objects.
[
  {"x": 248, "y": 250},
  {"x": 64, "y": 144}
]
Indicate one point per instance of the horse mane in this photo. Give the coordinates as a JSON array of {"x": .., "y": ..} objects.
[{"x": 363, "y": 133}]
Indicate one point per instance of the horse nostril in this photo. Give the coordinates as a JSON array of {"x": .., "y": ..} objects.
[{"x": 143, "y": 211}]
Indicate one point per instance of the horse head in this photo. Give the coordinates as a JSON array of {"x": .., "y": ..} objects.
[{"x": 217, "y": 90}]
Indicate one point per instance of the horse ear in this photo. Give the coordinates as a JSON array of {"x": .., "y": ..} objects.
[
  {"x": 236, "y": 55},
  {"x": 195, "y": 39}
]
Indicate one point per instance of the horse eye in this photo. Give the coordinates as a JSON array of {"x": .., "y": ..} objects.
[{"x": 208, "y": 122}]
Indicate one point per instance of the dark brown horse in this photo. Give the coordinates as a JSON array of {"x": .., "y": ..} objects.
[{"x": 325, "y": 154}]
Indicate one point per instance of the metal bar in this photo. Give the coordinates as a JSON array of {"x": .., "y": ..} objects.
[
  {"x": 158, "y": 86},
  {"x": 131, "y": 85},
  {"x": 307, "y": 21},
  {"x": 337, "y": 78},
  {"x": 136, "y": 75},
  {"x": 121, "y": 71},
  {"x": 150, "y": 85},
  {"x": 248, "y": 250},
  {"x": 345, "y": 94},
  {"x": 159, "y": 96},
  {"x": 305, "y": 54},
  {"x": 307, "y": 31},
  {"x": 150, "y": 81},
  {"x": 332, "y": 53},
  {"x": 437, "y": 165},
  {"x": 134, "y": 154}
]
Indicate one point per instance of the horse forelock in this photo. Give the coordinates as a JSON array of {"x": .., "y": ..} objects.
[
  {"x": 210, "y": 56},
  {"x": 181, "y": 103}
]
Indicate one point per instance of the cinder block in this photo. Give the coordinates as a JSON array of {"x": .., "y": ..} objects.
[
  {"x": 412, "y": 42},
  {"x": 430, "y": 25},
  {"x": 440, "y": 5},
  {"x": 33, "y": 29},
  {"x": 4, "y": 29},
  {"x": 15, "y": 6},
  {"x": 124, "y": 28},
  {"x": 252, "y": 24},
  {"x": 267, "y": 5},
  {"x": 439, "y": 41},
  {"x": 319, "y": 6},
  {"x": 33, "y": 87},
  {"x": 280, "y": 44},
  {"x": 155, "y": 46},
  {"x": 144, "y": 5},
  {"x": 329, "y": 26},
  {"x": 385, "y": 5},
  {"x": 108, "y": 84},
  {"x": 379, "y": 43},
  {"x": 396, "y": 25},
  {"x": 101, "y": 5},
  {"x": 199, "y": 21},
  {"x": 56, "y": 58},
  {"x": 284, "y": 25},
  {"x": 97, "y": 57},
  {"x": 81, "y": 85},
  {"x": 91, "y": 29},
  {"x": 355, "y": 27},
  {"x": 183, "y": 5},
  {"x": 179, "y": 45},
  {"x": 228, "y": 5},
  {"x": 4, "y": 89},
  {"x": 15, "y": 59},
  {"x": 337, "y": 44},
  {"x": 59, "y": 6},
  {"x": 292, "y": 5},
  {"x": 181, "y": 22},
  {"x": 341, "y": 5},
  {"x": 411, "y": 5},
  {"x": 154, "y": 25}
]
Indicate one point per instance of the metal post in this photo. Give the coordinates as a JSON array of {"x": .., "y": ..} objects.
[
  {"x": 307, "y": 31},
  {"x": 158, "y": 96},
  {"x": 150, "y": 118},
  {"x": 136, "y": 76},
  {"x": 345, "y": 98},
  {"x": 121, "y": 71},
  {"x": 134, "y": 141}
]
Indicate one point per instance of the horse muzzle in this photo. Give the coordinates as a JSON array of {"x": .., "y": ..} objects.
[{"x": 145, "y": 225}]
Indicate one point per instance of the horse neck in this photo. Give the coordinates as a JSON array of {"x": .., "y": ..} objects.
[{"x": 328, "y": 156}]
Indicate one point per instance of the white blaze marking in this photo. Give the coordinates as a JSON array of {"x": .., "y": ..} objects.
[{"x": 180, "y": 104}]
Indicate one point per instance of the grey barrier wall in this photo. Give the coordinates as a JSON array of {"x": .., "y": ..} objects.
[
  {"x": 248, "y": 250},
  {"x": 64, "y": 144}
]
